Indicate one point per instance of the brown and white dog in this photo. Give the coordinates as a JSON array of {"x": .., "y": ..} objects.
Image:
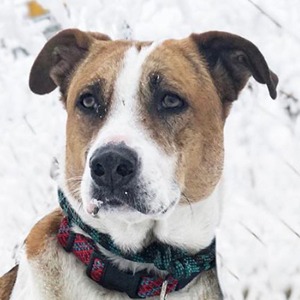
[{"x": 144, "y": 147}]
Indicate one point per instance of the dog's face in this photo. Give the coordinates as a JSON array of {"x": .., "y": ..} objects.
[
  {"x": 136, "y": 130},
  {"x": 145, "y": 120}
]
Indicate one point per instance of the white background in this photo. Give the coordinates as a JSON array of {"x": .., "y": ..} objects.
[{"x": 258, "y": 238}]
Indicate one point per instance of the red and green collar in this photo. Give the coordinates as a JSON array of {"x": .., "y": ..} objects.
[{"x": 181, "y": 267}]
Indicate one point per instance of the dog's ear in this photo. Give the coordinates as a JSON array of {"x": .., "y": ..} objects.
[
  {"x": 231, "y": 60},
  {"x": 58, "y": 58}
]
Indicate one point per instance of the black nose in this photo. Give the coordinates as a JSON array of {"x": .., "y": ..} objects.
[{"x": 113, "y": 166}]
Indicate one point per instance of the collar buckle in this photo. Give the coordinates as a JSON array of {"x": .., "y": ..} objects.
[
  {"x": 163, "y": 293},
  {"x": 114, "y": 279}
]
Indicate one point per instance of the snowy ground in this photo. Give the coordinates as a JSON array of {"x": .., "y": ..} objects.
[{"x": 259, "y": 236}]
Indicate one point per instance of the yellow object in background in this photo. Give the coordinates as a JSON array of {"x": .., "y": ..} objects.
[{"x": 35, "y": 9}]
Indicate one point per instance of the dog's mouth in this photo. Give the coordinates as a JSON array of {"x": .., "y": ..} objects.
[
  {"x": 117, "y": 201},
  {"x": 129, "y": 200}
]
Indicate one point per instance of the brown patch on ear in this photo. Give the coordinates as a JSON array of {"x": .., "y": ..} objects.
[
  {"x": 231, "y": 61},
  {"x": 36, "y": 241},
  {"x": 59, "y": 57},
  {"x": 7, "y": 282}
]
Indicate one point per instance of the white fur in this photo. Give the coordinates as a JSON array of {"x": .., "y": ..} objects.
[
  {"x": 158, "y": 168},
  {"x": 188, "y": 226}
]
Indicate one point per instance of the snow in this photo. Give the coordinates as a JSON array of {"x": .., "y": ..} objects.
[{"x": 258, "y": 238}]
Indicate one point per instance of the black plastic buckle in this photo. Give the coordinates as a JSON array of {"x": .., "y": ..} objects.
[{"x": 115, "y": 279}]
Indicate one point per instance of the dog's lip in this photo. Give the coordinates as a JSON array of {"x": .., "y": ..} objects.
[
  {"x": 112, "y": 202},
  {"x": 95, "y": 206},
  {"x": 117, "y": 203}
]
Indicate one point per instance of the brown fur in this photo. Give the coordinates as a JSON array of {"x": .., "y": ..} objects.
[
  {"x": 196, "y": 136},
  {"x": 102, "y": 65},
  {"x": 7, "y": 282},
  {"x": 58, "y": 58},
  {"x": 37, "y": 239},
  {"x": 36, "y": 243}
]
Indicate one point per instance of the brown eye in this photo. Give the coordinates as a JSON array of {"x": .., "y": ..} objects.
[
  {"x": 88, "y": 101},
  {"x": 172, "y": 102}
]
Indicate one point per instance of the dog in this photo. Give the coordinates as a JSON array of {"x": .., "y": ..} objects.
[{"x": 139, "y": 186}]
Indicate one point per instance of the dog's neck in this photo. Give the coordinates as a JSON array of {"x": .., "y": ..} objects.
[{"x": 189, "y": 226}]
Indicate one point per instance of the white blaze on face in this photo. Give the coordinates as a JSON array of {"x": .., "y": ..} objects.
[{"x": 123, "y": 124}]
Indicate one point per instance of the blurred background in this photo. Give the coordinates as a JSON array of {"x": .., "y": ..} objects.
[{"x": 259, "y": 234}]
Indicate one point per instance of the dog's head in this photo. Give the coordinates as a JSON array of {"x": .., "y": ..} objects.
[{"x": 145, "y": 120}]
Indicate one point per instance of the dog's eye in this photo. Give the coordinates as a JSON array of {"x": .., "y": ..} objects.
[
  {"x": 88, "y": 101},
  {"x": 172, "y": 102}
]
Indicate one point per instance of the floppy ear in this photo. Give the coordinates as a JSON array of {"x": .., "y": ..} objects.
[
  {"x": 231, "y": 60},
  {"x": 58, "y": 59}
]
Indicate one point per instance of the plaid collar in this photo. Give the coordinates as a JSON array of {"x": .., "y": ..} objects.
[{"x": 182, "y": 268}]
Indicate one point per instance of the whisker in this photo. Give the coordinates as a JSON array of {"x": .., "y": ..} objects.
[
  {"x": 80, "y": 206},
  {"x": 75, "y": 178},
  {"x": 74, "y": 185},
  {"x": 76, "y": 191}
]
